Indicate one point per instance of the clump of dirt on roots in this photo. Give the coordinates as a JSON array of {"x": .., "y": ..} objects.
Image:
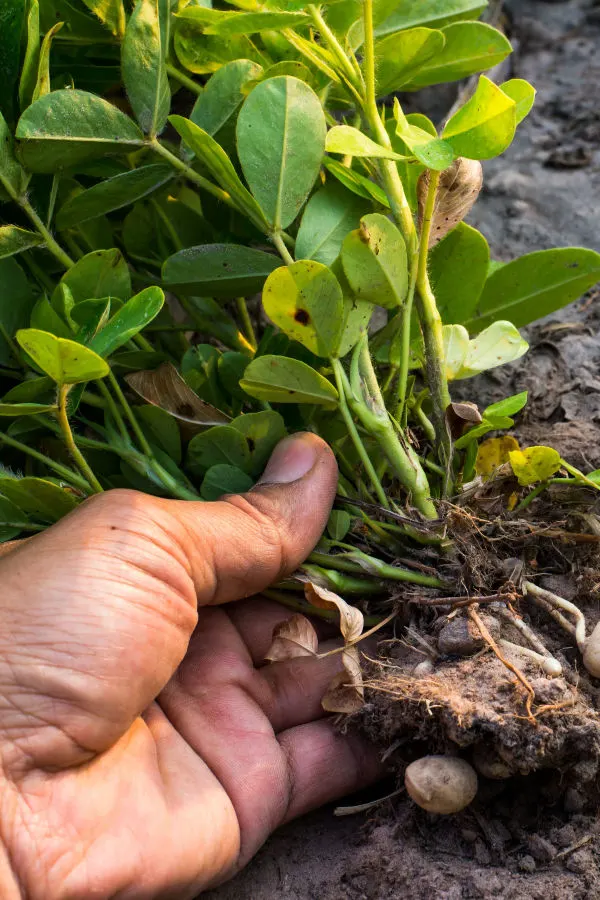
[{"x": 459, "y": 677}]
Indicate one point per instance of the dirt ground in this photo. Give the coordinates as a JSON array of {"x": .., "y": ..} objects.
[{"x": 527, "y": 839}]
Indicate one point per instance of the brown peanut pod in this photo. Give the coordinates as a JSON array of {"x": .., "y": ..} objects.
[{"x": 459, "y": 188}]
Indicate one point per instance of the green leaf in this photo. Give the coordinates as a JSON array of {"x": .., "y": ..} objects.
[
  {"x": 281, "y": 140},
  {"x": 434, "y": 13},
  {"x": 329, "y": 215},
  {"x": 112, "y": 194},
  {"x": 400, "y": 56},
  {"x": 42, "y": 84},
  {"x": 375, "y": 262},
  {"x": 278, "y": 379},
  {"x": 222, "y": 445},
  {"x": 356, "y": 182},
  {"x": 222, "y": 480},
  {"x": 12, "y": 175},
  {"x": 510, "y": 406},
  {"x": 102, "y": 273},
  {"x": 43, "y": 500},
  {"x": 485, "y": 126},
  {"x": 305, "y": 300},
  {"x": 17, "y": 299},
  {"x": 220, "y": 101},
  {"x": 15, "y": 410},
  {"x": 32, "y": 52},
  {"x": 143, "y": 64},
  {"x": 349, "y": 141},
  {"x": 45, "y": 318},
  {"x": 262, "y": 432},
  {"x": 66, "y": 362},
  {"x": 432, "y": 152},
  {"x": 499, "y": 344},
  {"x": 161, "y": 428},
  {"x": 203, "y": 53},
  {"x": 14, "y": 240},
  {"x": 228, "y": 24},
  {"x": 522, "y": 93},
  {"x": 90, "y": 316},
  {"x": 12, "y": 15},
  {"x": 458, "y": 268},
  {"x": 339, "y": 524},
  {"x": 493, "y": 423},
  {"x": 219, "y": 270},
  {"x": 534, "y": 464},
  {"x": 69, "y": 127},
  {"x": 110, "y": 12},
  {"x": 470, "y": 47},
  {"x": 456, "y": 349},
  {"x": 536, "y": 285},
  {"x": 11, "y": 520},
  {"x": 128, "y": 321},
  {"x": 216, "y": 160}
]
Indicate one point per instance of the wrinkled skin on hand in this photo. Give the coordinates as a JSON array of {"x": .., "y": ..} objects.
[{"x": 145, "y": 750}]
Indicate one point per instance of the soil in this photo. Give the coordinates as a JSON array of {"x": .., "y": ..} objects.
[{"x": 531, "y": 836}]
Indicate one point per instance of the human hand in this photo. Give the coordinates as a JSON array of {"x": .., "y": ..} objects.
[{"x": 143, "y": 753}]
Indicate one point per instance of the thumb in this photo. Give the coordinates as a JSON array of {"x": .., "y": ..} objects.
[{"x": 243, "y": 543}]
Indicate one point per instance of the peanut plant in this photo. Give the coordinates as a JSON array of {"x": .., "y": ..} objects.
[{"x": 252, "y": 163}]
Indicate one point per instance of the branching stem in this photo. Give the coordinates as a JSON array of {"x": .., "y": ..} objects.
[{"x": 65, "y": 426}]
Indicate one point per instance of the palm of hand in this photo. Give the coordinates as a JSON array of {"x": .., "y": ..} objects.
[{"x": 109, "y": 792}]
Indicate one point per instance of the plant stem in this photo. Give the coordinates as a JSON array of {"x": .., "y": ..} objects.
[
  {"x": 242, "y": 308},
  {"x": 335, "y": 46},
  {"x": 581, "y": 478},
  {"x": 63, "y": 420},
  {"x": 114, "y": 410},
  {"x": 141, "y": 437},
  {"x": 51, "y": 244},
  {"x": 191, "y": 174},
  {"x": 283, "y": 251},
  {"x": 184, "y": 79},
  {"x": 65, "y": 473},
  {"x": 346, "y": 563},
  {"x": 340, "y": 378}
]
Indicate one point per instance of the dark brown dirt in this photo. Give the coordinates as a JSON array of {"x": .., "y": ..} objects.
[{"x": 534, "y": 837}]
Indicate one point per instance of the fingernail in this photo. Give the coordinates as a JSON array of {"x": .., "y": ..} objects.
[{"x": 291, "y": 460}]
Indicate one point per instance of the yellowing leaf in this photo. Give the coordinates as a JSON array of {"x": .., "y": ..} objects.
[
  {"x": 346, "y": 693},
  {"x": 535, "y": 464},
  {"x": 351, "y": 619},
  {"x": 293, "y": 638},
  {"x": 494, "y": 453}
]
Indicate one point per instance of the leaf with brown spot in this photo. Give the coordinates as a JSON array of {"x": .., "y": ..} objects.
[
  {"x": 346, "y": 693},
  {"x": 351, "y": 619},
  {"x": 292, "y": 639},
  {"x": 164, "y": 387}
]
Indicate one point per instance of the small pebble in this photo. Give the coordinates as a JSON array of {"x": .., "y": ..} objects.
[
  {"x": 459, "y": 638},
  {"x": 527, "y": 864},
  {"x": 540, "y": 848},
  {"x": 580, "y": 862},
  {"x": 564, "y": 837}
]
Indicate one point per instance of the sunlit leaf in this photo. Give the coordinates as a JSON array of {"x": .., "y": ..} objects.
[
  {"x": 65, "y": 361},
  {"x": 14, "y": 240},
  {"x": 128, "y": 321},
  {"x": 522, "y": 93},
  {"x": 349, "y": 141},
  {"x": 534, "y": 464},
  {"x": 493, "y": 453},
  {"x": 375, "y": 262},
  {"x": 278, "y": 379},
  {"x": 485, "y": 126},
  {"x": 458, "y": 268}
]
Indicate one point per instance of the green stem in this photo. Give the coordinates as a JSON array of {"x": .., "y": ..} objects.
[
  {"x": 334, "y": 45},
  {"x": 114, "y": 410},
  {"x": 242, "y": 308},
  {"x": 283, "y": 251},
  {"x": 191, "y": 174},
  {"x": 129, "y": 414},
  {"x": 81, "y": 462},
  {"x": 343, "y": 389},
  {"x": 373, "y": 566},
  {"x": 405, "y": 348},
  {"x": 184, "y": 80},
  {"x": 581, "y": 478},
  {"x": 65, "y": 473},
  {"x": 54, "y": 248},
  {"x": 12, "y": 344}
]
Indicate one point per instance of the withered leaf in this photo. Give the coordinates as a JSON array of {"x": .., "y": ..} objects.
[
  {"x": 293, "y": 638},
  {"x": 346, "y": 693},
  {"x": 459, "y": 188},
  {"x": 459, "y": 416},
  {"x": 351, "y": 619},
  {"x": 164, "y": 387}
]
